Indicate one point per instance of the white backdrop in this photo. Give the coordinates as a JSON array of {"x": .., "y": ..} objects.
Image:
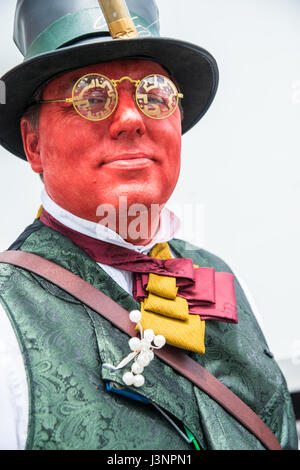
[{"x": 240, "y": 163}]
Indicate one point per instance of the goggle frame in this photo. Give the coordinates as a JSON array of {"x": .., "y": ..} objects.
[{"x": 115, "y": 83}]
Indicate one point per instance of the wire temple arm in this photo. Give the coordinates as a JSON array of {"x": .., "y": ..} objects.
[{"x": 66, "y": 100}]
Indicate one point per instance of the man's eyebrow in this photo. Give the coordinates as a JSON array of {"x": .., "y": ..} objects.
[
  {"x": 64, "y": 89},
  {"x": 68, "y": 86}
]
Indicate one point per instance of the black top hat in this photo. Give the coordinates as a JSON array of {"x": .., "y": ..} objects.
[{"x": 57, "y": 36}]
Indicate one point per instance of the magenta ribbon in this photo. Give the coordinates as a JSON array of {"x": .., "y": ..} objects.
[{"x": 209, "y": 294}]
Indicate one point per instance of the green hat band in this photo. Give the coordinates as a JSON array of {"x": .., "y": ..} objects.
[{"x": 82, "y": 23}]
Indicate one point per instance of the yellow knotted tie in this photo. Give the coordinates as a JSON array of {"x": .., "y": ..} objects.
[{"x": 166, "y": 313}]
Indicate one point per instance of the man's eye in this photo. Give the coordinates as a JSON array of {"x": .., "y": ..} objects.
[
  {"x": 155, "y": 99},
  {"x": 93, "y": 101}
]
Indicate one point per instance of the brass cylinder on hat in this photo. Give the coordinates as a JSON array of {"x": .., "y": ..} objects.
[{"x": 117, "y": 16}]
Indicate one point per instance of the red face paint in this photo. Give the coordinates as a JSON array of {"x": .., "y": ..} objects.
[{"x": 86, "y": 164}]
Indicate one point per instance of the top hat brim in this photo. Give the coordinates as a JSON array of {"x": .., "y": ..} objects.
[{"x": 194, "y": 69}]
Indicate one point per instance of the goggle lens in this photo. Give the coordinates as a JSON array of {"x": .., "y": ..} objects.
[
  {"x": 157, "y": 96},
  {"x": 94, "y": 97}
]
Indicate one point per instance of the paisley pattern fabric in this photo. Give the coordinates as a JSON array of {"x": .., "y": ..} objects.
[{"x": 65, "y": 345}]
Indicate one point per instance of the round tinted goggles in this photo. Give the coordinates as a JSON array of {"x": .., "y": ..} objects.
[{"x": 95, "y": 96}]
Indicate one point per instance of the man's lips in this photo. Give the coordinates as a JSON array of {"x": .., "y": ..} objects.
[{"x": 128, "y": 161}]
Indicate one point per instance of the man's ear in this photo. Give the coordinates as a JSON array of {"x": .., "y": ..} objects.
[{"x": 31, "y": 143}]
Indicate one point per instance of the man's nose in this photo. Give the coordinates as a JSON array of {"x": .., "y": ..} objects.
[{"x": 127, "y": 119}]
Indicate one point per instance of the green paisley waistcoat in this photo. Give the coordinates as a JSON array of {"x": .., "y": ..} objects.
[{"x": 65, "y": 344}]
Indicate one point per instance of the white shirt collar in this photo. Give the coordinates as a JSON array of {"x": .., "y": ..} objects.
[{"x": 169, "y": 225}]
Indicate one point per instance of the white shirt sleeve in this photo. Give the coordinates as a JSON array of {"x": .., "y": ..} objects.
[{"x": 14, "y": 404}]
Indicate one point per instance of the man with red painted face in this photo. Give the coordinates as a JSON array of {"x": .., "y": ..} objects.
[
  {"x": 86, "y": 163},
  {"x": 99, "y": 119}
]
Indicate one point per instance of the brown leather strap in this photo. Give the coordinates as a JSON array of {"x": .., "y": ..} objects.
[{"x": 174, "y": 357}]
